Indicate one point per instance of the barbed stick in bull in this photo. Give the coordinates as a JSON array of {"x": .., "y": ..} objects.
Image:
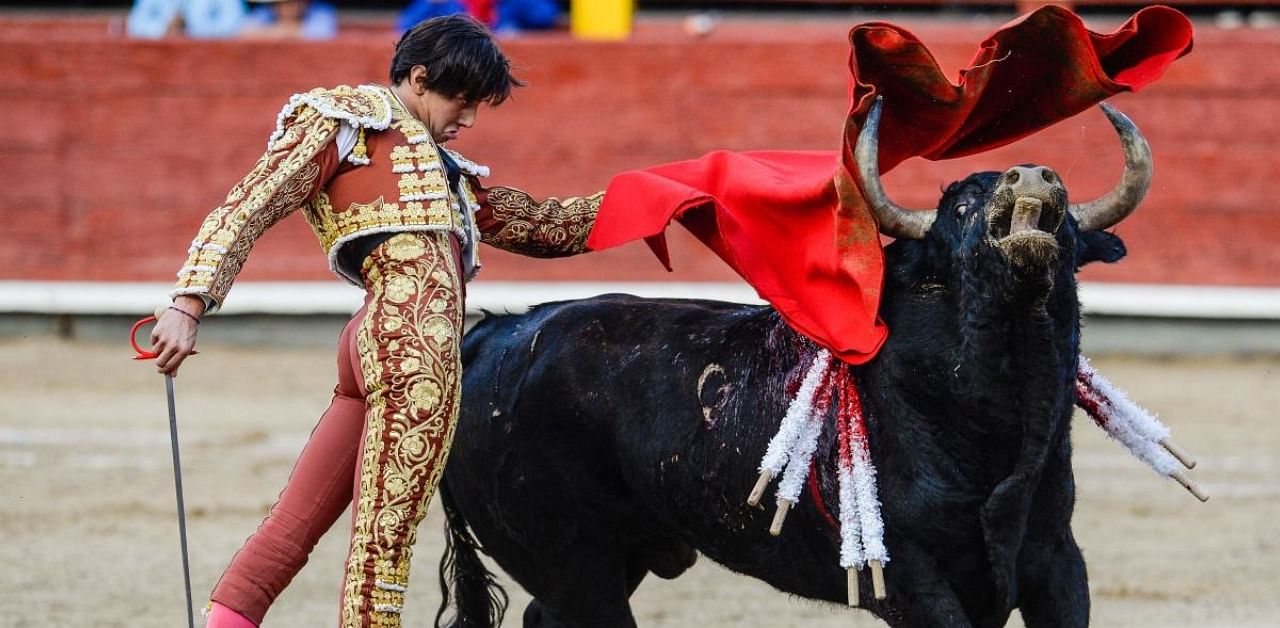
[
  {"x": 862, "y": 542},
  {"x": 800, "y": 458},
  {"x": 143, "y": 354},
  {"x": 781, "y": 445},
  {"x": 1134, "y": 427}
]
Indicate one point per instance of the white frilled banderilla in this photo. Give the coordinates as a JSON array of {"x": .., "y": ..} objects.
[
  {"x": 790, "y": 455},
  {"x": 1134, "y": 427}
]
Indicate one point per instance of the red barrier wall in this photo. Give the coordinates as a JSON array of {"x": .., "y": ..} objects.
[{"x": 112, "y": 150}]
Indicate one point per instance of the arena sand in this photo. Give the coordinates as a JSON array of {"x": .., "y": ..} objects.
[{"x": 90, "y": 536}]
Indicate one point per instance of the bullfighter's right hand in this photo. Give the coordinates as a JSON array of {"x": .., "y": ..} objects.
[{"x": 174, "y": 336}]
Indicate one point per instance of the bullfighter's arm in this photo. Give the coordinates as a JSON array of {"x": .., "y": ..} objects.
[
  {"x": 514, "y": 221},
  {"x": 301, "y": 157}
]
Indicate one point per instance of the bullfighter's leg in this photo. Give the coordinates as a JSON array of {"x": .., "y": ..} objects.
[
  {"x": 318, "y": 490},
  {"x": 409, "y": 356},
  {"x": 918, "y": 594}
]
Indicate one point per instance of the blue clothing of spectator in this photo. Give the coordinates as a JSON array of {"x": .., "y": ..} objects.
[
  {"x": 319, "y": 21},
  {"x": 420, "y": 10},
  {"x": 510, "y": 15},
  {"x": 520, "y": 15},
  {"x": 152, "y": 19}
]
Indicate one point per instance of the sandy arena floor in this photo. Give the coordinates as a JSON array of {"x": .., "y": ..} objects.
[{"x": 90, "y": 535}]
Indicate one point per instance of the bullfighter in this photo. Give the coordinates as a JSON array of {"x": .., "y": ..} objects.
[{"x": 400, "y": 216}]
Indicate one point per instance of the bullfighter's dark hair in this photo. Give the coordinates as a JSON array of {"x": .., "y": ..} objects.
[{"x": 461, "y": 57}]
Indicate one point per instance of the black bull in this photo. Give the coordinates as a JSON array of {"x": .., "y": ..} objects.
[{"x": 604, "y": 439}]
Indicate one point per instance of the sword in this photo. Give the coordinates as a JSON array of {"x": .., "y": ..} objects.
[{"x": 143, "y": 354}]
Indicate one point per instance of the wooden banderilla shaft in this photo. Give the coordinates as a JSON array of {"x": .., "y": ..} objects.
[
  {"x": 779, "y": 516},
  {"x": 1177, "y": 452},
  {"x": 1190, "y": 485},
  {"x": 758, "y": 491}
]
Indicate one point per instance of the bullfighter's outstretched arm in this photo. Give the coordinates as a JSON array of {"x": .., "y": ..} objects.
[{"x": 514, "y": 221}]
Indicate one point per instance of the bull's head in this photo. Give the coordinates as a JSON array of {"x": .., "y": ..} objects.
[{"x": 1020, "y": 211}]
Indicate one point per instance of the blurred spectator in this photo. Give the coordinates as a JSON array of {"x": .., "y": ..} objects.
[
  {"x": 500, "y": 15},
  {"x": 285, "y": 19},
  {"x": 420, "y": 10},
  {"x": 524, "y": 15},
  {"x": 153, "y": 19}
]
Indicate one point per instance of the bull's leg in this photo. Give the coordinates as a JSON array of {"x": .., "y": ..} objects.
[
  {"x": 1054, "y": 586},
  {"x": 918, "y": 594},
  {"x": 585, "y": 587},
  {"x": 539, "y": 615}
]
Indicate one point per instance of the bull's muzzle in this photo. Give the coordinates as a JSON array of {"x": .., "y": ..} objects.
[{"x": 1027, "y": 209}]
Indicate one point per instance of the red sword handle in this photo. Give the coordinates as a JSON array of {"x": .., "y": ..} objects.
[{"x": 140, "y": 353}]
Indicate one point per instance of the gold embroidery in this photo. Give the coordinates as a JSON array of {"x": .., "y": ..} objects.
[
  {"x": 552, "y": 228},
  {"x": 359, "y": 104},
  {"x": 277, "y": 184},
  {"x": 411, "y": 362},
  {"x": 280, "y": 181},
  {"x": 319, "y": 214},
  {"x": 402, "y": 159},
  {"x": 404, "y": 249},
  {"x": 415, "y": 132},
  {"x": 359, "y": 152},
  {"x": 423, "y": 199},
  {"x": 291, "y": 194},
  {"x": 361, "y": 217},
  {"x": 423, "y": 186}
]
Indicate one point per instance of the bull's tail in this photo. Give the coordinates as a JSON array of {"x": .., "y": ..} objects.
[{"x": 465, "y": 584}]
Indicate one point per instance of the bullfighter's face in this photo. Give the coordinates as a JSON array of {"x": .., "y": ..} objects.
[{"x": 444, "y": 115}]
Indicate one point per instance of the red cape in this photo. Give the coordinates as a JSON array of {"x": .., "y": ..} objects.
[{"x": 795, "y": 225}]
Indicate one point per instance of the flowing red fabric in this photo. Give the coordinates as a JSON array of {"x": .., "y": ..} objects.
[{"x": 795, "y": 224}]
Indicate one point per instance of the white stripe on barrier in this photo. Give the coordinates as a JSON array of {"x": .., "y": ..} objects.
[
  {"x": 322, "y": 297},
  {"x": 1181, "y": 301}
]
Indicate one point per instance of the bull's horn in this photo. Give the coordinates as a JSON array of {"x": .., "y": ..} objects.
[
  {"x": 894, "y": 221},
  {"x": 1121, "y": 201}
]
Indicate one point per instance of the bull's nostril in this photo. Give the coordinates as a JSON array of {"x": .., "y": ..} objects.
[
  {"x": 1012, "y": 177},
  {"x": 1048, "y": 176}
]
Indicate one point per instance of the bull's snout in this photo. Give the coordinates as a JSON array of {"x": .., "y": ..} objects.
[
  {"x": 1031, "y": 180},
  {"x": 1027, "y": 199},
  {"x": 1027, "y": 208}
]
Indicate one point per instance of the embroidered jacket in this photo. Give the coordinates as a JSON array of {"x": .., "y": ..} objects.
[{"x": 358, "y": 163}]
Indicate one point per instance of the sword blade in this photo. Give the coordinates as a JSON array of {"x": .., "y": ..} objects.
[{"x": 177, "y": 485}]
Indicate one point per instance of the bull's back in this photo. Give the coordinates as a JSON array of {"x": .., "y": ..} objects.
[
  {"x": 581, "y": 354},
  {"x": 615, "y": 411}
]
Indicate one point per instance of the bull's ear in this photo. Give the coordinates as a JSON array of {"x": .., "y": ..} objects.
[{"x": 1099, "y": 246}]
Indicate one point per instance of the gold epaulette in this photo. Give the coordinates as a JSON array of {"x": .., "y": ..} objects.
[{"x": 363, "y": 107}]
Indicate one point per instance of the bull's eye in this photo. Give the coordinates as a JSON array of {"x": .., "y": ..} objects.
[{"x": 961, "y": 209}]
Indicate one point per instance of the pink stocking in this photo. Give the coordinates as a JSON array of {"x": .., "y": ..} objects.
[{"x": 222, "y": 617}]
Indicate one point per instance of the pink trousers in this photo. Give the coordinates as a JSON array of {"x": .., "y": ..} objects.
[{"x": 380, "y": 446}]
